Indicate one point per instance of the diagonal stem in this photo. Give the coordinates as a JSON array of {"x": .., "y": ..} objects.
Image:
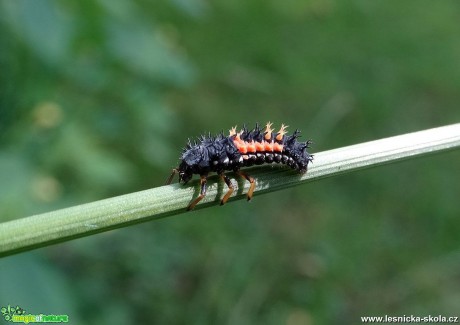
[{"x": 86, "y": 219}]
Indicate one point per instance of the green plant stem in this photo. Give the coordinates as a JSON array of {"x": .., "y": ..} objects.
[{"x": 86, "y": 219}]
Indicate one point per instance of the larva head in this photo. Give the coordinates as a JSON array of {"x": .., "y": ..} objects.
[
  {"x": 185, "y": 173},
  {"x": 184, "y": 176},
  {"x": 192, "y": 159}
]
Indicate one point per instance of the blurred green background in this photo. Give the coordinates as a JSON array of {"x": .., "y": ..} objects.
[{"x": 97, "y": 98}]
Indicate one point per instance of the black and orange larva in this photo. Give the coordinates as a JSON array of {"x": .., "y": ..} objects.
[{"x": 240, "y": 149}]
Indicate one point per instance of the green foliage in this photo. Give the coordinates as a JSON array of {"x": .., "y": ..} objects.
[{"x": 97, "y": 98}]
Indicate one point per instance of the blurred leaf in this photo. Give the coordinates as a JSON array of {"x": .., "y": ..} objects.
[
  {"x": 143, "y": 49},
  {"x": 77, "y": 155},
  {"x": 15, "y": 175},
  {"x": 41, "y": 290},
  {"x": 42, "y": 26}
]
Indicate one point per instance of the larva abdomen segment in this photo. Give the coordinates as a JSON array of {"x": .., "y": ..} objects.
[{"x": 257, "y": 148}]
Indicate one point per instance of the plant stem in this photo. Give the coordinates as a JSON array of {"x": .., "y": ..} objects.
[{"x": 86, "y": 219}]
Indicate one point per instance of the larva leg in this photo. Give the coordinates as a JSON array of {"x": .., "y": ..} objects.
[
  {"x": 170, "y": 178},
  {"x": 250, "y": 180},
  {"x": 230, "y": 188},
  {"x": 203, "y": 181}
]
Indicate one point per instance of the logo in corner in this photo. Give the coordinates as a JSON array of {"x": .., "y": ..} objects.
[
  {"x": 18, "y": 315},
  {"x": 9, "y": 312}
]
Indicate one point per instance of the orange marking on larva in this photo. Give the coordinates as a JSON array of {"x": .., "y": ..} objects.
[
  {"x": 277, "y": 147},
  {"x": 268, "y": 130},
  {"x": 260, "y": 146},
  {"x": 251, "y": 146},
  {"x": 268, "y": 146},
  {"x": 281, "y": 132},
  {"x": 237, "y": 143},
  {"x": 242, "y": 148},
  {"x": 232, "y": 131},
  {"x": 237, "y": 137}
]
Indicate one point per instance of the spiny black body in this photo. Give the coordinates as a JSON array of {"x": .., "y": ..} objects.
[{"x": 240, "y": 149}]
